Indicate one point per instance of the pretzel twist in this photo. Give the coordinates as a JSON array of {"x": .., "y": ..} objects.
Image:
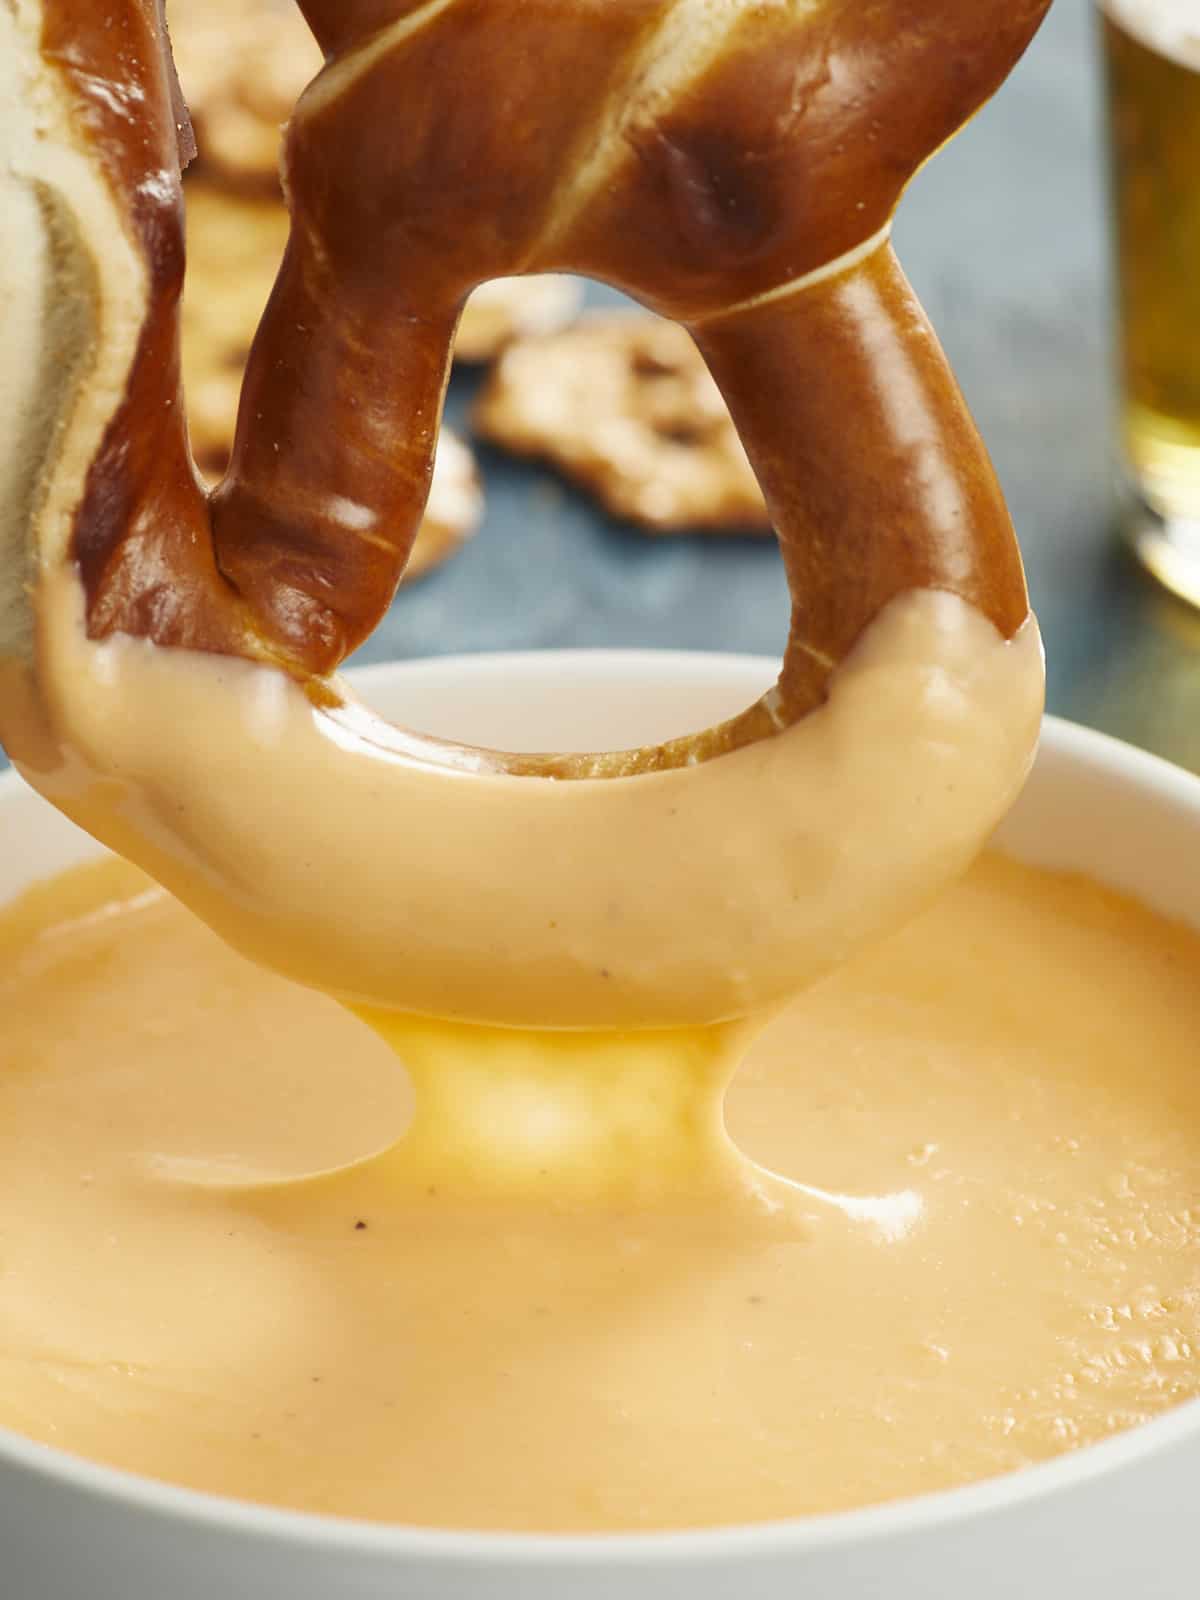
[{"x": 733, "y": 166}]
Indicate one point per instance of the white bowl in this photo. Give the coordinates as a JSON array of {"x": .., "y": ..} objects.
[{"x": 1110, "y": 1522}]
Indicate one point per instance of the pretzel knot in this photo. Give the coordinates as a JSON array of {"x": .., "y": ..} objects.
[{"x": 733, "y": 164}]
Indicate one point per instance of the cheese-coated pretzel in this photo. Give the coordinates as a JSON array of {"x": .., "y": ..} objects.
[
  {"x": 164, "y": 653},
  {"x": 733, "y": 165}
]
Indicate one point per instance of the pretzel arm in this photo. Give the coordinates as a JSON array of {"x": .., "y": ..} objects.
[
  {"x": 872, "y": 467},
  {"x": 332, "y": 461},
  {"x": 404, "y": 197},
  {"x": 299, "y": 554}
]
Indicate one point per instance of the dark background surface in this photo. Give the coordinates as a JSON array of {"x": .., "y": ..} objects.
[{"x": 1004, "y": 237}]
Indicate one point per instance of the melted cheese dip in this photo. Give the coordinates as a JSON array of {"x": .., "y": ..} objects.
[{"x": 564, "y": 1299}]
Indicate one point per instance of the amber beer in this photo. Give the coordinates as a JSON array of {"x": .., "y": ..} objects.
[{"x": 1152, "y": 56}]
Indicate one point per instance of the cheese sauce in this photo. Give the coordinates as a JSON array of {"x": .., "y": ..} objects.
[{"x": 534, "y": 1283}]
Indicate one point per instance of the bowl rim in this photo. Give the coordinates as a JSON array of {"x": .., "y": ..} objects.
[{"x": 1110, "y": 758}]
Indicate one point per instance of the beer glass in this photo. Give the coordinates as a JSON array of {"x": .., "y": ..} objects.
[{"x": 1152, "y": 63}]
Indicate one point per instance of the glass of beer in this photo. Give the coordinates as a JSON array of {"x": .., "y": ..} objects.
[{"x": 1152, "y": 60}]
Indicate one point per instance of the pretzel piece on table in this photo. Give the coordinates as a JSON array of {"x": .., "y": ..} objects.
[
  {"x": 623, "y": 404},
  {"x": 243, "y": 65},
  {"x": 733, "y": 165}
]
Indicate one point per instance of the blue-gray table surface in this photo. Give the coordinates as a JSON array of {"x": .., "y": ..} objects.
[{"x": 1004, "y": 237}]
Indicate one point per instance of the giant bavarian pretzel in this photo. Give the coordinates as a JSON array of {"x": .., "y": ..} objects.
[{"x": 734, "y": 164}]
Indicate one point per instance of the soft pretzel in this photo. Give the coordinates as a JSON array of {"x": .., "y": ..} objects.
[{"x": 733, "y": 165}]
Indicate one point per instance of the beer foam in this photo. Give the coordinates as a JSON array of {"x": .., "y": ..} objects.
[{"x": 1169, "y": 27}]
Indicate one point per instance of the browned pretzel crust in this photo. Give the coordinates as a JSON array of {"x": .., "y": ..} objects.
[{"x": 707, "y": 158}]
